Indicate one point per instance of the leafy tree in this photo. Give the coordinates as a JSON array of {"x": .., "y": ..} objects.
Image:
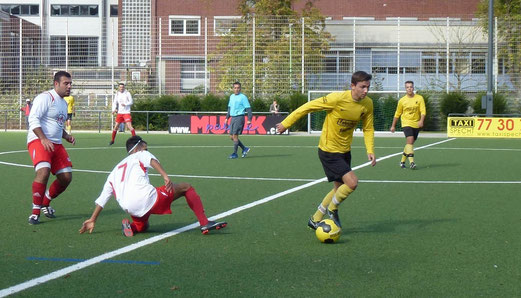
[
  {"x": 278, "y": 29},
  {"x": 508, "y": 13}
]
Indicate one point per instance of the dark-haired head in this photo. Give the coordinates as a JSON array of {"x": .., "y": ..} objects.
[
  {"x": 134, "y": 142},
  {"x": 360, "y": 76}
]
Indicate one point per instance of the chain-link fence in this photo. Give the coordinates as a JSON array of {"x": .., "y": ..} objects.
[{"x": 270, "y": 56}]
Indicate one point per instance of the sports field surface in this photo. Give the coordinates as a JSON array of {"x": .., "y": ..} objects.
[{"x": 451, "y": 228}]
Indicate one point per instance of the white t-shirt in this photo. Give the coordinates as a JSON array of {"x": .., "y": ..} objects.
[
  {"x": 129, "y": 184},
  {"x": 49, "y": 111},
  {"x": 122, "y": 102}
]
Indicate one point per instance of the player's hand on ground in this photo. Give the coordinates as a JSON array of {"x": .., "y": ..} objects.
[
  {"x": 371, "y": 158},
  {"x": 88, "y": 225},
  {"x": 280, "y": 128},
  {"x": 47, "y": 145}
]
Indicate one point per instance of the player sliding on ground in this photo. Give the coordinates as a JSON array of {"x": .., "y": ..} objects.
[
  {"x": 344, "y": 111},
  {"x": 130, "y": 185}
]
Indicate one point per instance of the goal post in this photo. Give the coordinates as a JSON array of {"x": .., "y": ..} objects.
[{"x": 384, "y": 106}]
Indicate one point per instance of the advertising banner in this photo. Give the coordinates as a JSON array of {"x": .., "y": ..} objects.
[
  {"x": 484, "y": 127},
  {"x": 214, "y": 124}
]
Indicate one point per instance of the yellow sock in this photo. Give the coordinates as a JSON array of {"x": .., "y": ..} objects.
[
  {"x": 341, "y": 194},
  {"x": 319, "y": 214},
  {"x": 410, "y": 152},
  {"x": 404, "y": 156}
]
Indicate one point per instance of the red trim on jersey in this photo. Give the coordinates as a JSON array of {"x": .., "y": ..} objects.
[
  {"x": 113, "y": 191},
  {"x": 143, "y": 167},
  {"x": 52, "y": 97}
]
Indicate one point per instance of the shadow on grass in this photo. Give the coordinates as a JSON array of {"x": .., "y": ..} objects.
[{"x": 395, "y": 226}]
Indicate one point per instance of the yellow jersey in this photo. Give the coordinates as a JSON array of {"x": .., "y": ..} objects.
[
  {"x": 342, "y": 116},
  {"x": 70, "y": 104},
  {"x": 410, "y": 109}
]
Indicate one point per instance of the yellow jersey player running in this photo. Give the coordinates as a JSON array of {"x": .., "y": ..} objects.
[
  {"x": 70, "y": 112},
  {"x": 411, "y": 108},
  {"x": 344, "y": 111}
]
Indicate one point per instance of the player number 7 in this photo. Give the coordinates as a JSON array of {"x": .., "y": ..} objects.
[{"x": 124, "y": 166}]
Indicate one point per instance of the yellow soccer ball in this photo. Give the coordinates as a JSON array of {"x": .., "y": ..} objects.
[{"x": 327, "y": 231}]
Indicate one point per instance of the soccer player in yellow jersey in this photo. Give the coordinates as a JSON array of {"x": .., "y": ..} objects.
[
  {"x": 70, "y": 111},
  {"x": 344, "y": 111},
  {"x": 411, "y": 108}
]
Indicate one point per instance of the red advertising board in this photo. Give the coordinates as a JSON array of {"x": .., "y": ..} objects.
[{"x": 214, "y": 124}]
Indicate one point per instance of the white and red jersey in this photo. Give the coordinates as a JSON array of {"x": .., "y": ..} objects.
[
  {"x": 129, "y": 184},
  {"x": 49, "y": 112},
  {"x": 122, "y": 102}
]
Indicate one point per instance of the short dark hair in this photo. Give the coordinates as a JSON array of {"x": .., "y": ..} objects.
[
  {"x": 360, "y": 76},
  {"x": 133, "y": 141},
  {"x": 58, "y": 75},
  {"x": 409, "y": 82},
  {"x": 237, "y": 83}
]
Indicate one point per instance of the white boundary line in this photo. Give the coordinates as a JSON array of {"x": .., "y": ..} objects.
[{"x": 67, "y": 270}]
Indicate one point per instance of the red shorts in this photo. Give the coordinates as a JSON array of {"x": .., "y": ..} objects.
[
  {"x": 162, "y": 206},
  {"x": 123, "y": 118},
  {"x": 58, "y": 159}
]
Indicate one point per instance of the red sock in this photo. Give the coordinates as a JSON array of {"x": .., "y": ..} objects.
[
  {"x": 113, "y": 135},
  {"x": 133, "y": 132},
  {"x": 55, "y": 190},
  {"x": 38, "y": 193},
  {"x": 194, "y": 201}
]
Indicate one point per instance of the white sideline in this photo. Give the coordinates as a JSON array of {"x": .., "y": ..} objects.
[{"x": 67, "y": 270}]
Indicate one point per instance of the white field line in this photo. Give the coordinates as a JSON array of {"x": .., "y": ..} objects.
[{"x": 67, "y": 270}]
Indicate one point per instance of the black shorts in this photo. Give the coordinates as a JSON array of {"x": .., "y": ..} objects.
[
  {"x": 237, "y": 125},
  {"x": 335, "y": 165},
  {"x": 69, "y": 116},
  {"x": 410, "y": 131}
]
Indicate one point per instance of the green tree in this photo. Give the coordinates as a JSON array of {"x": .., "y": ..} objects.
[
  {"x": 278, "y": 28},
  {"x": 508, "y": 13}
]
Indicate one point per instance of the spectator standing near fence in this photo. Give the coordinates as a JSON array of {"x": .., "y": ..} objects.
[
  {"x": 71, "y": 111},
  {"x": 121, "y": 108},
  {"x": 238, "y": 106},
  {"x": 46, "y": 129},
  {"x": 26, "y": 109},
  {"x": 274, "y": 107},
  {"x": 411, "y": 109},
  {"x": 343, "y": 112}
]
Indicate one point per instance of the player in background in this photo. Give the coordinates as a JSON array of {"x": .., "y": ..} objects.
[
  {"x": 46, "y": 129},
  {"x": 238, "y": 105},
  {"x": 344, "y": 111},
  {"x": 129, "y": 184},
  {"x": 412, "y": 110},
  {"x": 71, "y": 110},
  {"x": 121, "y": 107}
]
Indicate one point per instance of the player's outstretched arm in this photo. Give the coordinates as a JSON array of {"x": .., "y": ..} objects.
[{"x": 90, "y": 223}]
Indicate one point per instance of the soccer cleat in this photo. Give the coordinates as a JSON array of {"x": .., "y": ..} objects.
[
  {"x": 213, "y": 225},
  {"x": 402, "y": 165},
  {"x": 34, "y": 219},
  {"x": 233, "y": 156},
  {"x": 126, "y": 228},
  {"x": 48, "y": 211},
  {"x": 334, "y": 216},
  {"x": 111, "y": 143},
  {"x": 312, "y": 224},
  {"x": 245, "y": 151},
  {"x": 413, "y": 166}
]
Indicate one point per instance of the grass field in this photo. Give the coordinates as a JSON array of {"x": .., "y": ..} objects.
[{"x": 449, "y": 229}]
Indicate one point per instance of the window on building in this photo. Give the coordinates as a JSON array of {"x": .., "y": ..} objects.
[
  {"x": 185, "y": 25},
  {"x": 21, "y": 9},
  {"x": 113, "y": 10},
  {"x": 83, "y": 51},
  {"x": 225, "y": 25},
  {"x": 338, "y": 61},
  {"x": 478, "y": 62},
  {"x": 192, "y": 75},
  {"x": 74, "y": 10}
]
